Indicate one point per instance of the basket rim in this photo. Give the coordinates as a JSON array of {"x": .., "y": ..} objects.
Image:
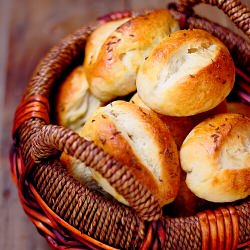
[{"x": 24, "y": 116}]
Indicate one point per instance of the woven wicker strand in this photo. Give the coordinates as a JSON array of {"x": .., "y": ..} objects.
[
  {"x": 79, "y": 214},
  {"x": 118, "y": 175},
  {"x": 69, "y": 214},
  {"x": 30, "y": 108},
  {"x": 42, "y": 83},
  {"x": 44, "y": 177},
  {"x": 234, "y": 9},
  {"x": 236, "y": 44}
]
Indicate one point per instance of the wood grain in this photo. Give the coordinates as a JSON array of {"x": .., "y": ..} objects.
[{"x": 28, "y": 29}]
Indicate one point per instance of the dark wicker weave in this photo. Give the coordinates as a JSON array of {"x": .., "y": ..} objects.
[{"x": 69, "y": 214}]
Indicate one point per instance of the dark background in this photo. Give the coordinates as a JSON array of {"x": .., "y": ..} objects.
[{"x": 28, "y": 28}]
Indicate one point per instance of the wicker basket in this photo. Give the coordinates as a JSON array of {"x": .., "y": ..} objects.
[{"x": 69, "y": 214}]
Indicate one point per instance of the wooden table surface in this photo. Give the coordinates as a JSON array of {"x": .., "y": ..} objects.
[{"x": 28, "y": 29}]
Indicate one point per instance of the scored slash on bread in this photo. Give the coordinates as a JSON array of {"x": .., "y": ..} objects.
[
  {"x": 97, "y": 39},
  {"x": 181, "y": 79},
  {"x": 139, "y": 139},
  {"x": 112, "y": 64},
  {"x": 187, "y": 73},
  {"x": 216, "y": 157}
]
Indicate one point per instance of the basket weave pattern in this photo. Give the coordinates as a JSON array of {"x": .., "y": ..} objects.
[{"x": 71, "y": 215}]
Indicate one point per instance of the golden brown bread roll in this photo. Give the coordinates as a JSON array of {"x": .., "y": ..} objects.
[
  {"x": 138, "y": 139},
  {"x": 97, "y": 39},
  {"x": 74, "y": 102},
  {"x": 79, "y": 171},
  {"x": 216, "y": 157},
  {"x": 112, "y": 69},
  {"x": 238, "y": 108},
  {"x": 187, "y": 73},
  {"x": 219, "y": 109},
  {"x": 185, "y": 203},
  {"x": 179, "y": 127}
]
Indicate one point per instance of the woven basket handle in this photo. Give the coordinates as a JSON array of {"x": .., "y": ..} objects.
[
  {"x": 40, "y": 141},
  {"x": 52, "y": 137},
  {"x": 234, "y": 9},
  {"x": 49, "y": 138}
]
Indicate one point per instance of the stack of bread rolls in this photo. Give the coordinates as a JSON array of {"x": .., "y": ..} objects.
[
  {"x": 177, "y": 134},
  {"x": 112, "y": 63},
  {"x": 178, "y": 126},
  {"x": 140, "y": 140}
]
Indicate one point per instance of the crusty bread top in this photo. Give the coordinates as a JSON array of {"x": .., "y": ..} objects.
[
  {"x": 74, "y": 103},
  {"x": 179, "y": 127},
  {"x": 187, "y": 73},
  {"x": 97, "y": 39},
  {"x": 216, "y": 157},
  {"x": 139, "y": 139},
  {"x": 112, "y": 72}
]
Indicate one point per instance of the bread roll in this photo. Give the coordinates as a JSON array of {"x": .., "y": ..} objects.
[
  {"x": 112, "y": 69},
  {"x": 216, "y": 157},
  {"x": 79, "y": 171},
  {"x": 185, "y": 203},
  {"x": 97, "y": 39},
  {"x": 179, "y": 127},
  {"x": 187, "y": 73},
  {"x": 138, "y": 139},
  {"x": 219, "y": 109},
  {"x": 238, "y": 108},
  {"x": 74, "y": 102}
]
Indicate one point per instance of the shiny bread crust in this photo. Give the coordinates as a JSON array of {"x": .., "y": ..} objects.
[
  {"x": 141, "y": 141},
  {"x": 187, "y": 73},
  {"x": 216, "y": 157},
  {"x": 112, "y": 72}
]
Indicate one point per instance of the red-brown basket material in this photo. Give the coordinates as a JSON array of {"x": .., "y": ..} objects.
[{"x": 69, "y": 214}]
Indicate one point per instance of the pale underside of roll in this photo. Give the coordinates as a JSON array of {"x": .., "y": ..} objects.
[
  {"x": 74, "y": 102},
  {"x": 239, "y": 108}
]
